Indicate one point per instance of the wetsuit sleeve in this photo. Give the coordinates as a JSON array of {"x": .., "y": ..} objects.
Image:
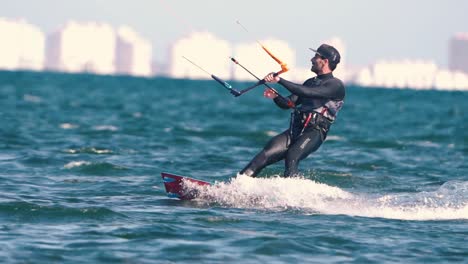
[
  {"x": 333, "y": 89},
  {"x": 283, "y": 103}
]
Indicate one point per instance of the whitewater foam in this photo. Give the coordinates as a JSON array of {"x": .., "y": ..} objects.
[
  {"x": 91, "y": 150},
  {"x": 74, "y": 164},
  {"x": 106, "y": 128},
  {"x": 68, "y": 126},
  {"x": 449, "y": 202}
]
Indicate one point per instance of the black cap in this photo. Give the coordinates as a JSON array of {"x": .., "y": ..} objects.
[{"x": 328, "y": 52}]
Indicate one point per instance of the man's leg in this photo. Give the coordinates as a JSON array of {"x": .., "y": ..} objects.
[
  {"x": 307, "y": 143},
  {"x": 274, "y": 151}
]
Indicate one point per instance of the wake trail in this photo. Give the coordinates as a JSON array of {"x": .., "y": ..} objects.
[{"x": 448, "y": 202}]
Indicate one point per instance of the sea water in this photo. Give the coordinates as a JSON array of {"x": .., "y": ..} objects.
[{"x": 81, "y": 157}]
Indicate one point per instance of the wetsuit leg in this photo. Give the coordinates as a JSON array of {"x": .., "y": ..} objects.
[
  {"x": 274, "y": 151},
  {"x": 307, "y": 143}
]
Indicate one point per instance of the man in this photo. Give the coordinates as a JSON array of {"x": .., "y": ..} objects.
[{"x": 317, "y": 103}]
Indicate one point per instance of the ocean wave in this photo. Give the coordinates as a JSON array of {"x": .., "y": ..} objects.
[
  {"x": 271, "y": 133},
  {"x": 449, "y": 202},
  {"x": 105, "y": 128},
  {"x": 93, "y": 167},
  {"x": 89, "y": 150},
  {"x": 335, "y": 138},
  {"x": 68, "y": 126},
  {"x": 74, "y": 164},
  {"x": 32, "y": 98},
  {"x": 27, "y": 210}
]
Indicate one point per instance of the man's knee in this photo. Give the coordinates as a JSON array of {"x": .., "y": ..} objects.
[{"x": 255, "y": 165}]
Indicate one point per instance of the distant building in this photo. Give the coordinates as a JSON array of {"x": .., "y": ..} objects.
[
  {"x": 133, "y": 53},
  {"x": 204, "y": 49},
  {"x": 399, "y": 74},
  {"x": 300, "y": 74},
  {"x": 449, "y": 80},
  {"x": 416, "y": 74},
  {"x": 82, "y": 47},
  {"x": 159, "y": 69},
  {"x": 22, "y": 45},
  {"x": 458, "y": 53},
  {"x": 253, "y": 57}
]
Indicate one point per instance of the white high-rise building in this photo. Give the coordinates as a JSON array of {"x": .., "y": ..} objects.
[
  {"x": 82, "y": 47},
  {"x": 415, "y": 74},
  {"x": 133, "y": 53},
  {"x": 204, "y": 49},
  {"x": 22, "y": 45},
  {"x": 402, "y": 74},
  {"x": 458, "y": 53},
  {"x": 449, "y": 80},
  {"x": 253, "y": 57}
]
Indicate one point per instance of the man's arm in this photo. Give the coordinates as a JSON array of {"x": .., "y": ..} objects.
[
  {"x": 330, "y": 89},
  {"x": 282, "y": 103}
]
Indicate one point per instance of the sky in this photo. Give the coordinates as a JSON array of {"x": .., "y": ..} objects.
[{"x": 372, "y": 30}]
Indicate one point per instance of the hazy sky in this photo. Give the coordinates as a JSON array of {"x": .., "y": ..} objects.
[{"x": 371, "y": 29}]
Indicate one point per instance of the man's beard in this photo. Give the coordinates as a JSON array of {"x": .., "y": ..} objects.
[{"x": 315, "y": 68}]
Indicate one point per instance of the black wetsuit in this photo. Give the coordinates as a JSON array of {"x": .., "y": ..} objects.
[{"x": 317, "y": 102}]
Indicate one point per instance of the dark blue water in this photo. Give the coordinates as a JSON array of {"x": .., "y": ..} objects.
[{"x": 81, "y": 157}]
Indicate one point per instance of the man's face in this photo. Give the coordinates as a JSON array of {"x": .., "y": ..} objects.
[{"x": 318, "y": 62}]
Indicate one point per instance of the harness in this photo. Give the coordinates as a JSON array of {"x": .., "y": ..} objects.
[
  {"x": 318, "y": 120},
  {"x": 301, "y": 120}
]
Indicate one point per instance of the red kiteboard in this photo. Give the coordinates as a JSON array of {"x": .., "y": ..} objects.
[{"x": 175, "y": 188}]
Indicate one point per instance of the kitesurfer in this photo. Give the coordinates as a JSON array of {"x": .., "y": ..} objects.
[{"x": 317, "y": 102}]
